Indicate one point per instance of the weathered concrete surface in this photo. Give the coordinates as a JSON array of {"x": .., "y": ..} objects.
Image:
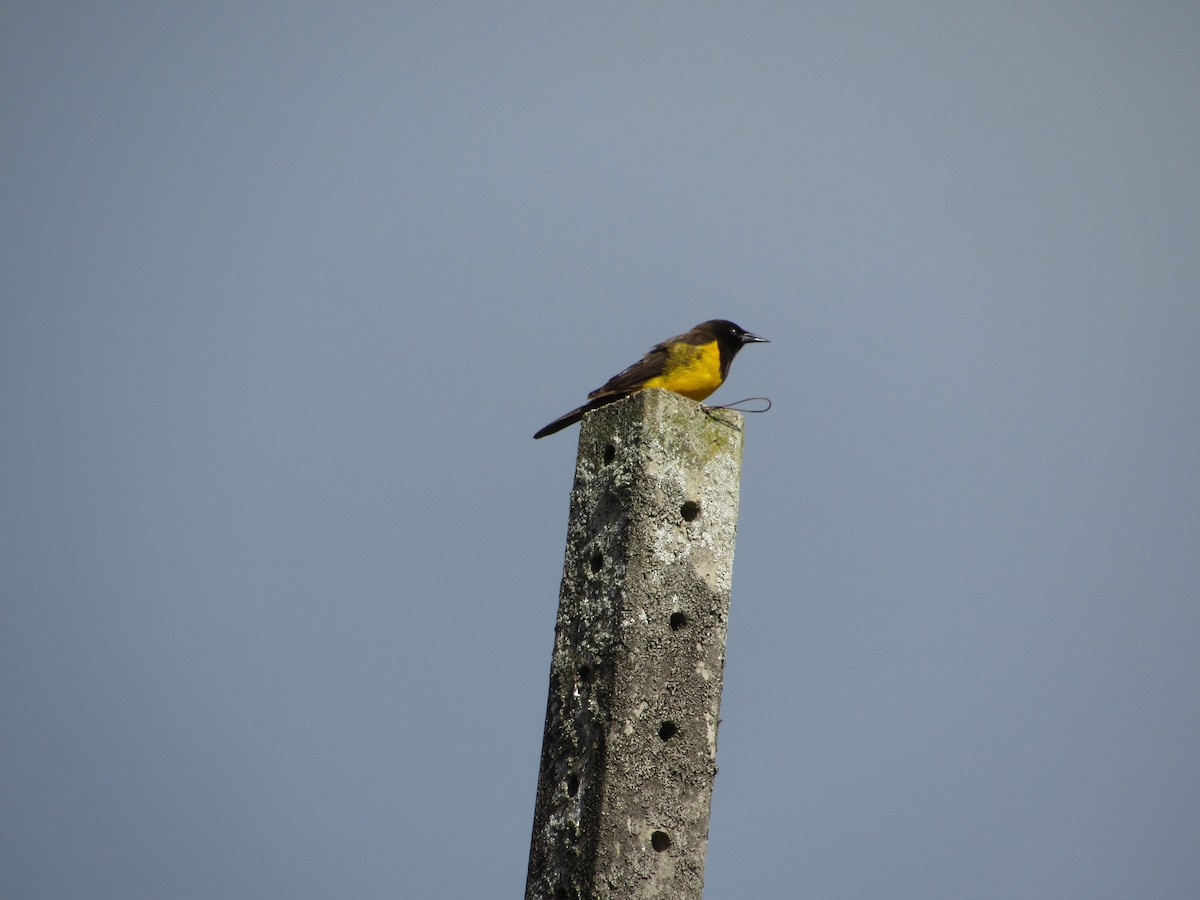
[{"x": 630, "y": 745}]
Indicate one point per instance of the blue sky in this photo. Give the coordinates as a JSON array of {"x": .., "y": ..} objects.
[{"x": 289, "y": 287}]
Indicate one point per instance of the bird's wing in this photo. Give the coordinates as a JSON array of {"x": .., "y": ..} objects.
[{"x": 649, "y": 366}]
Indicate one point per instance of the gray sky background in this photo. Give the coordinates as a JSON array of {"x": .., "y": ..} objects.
[{"x": 288, "y": 288}]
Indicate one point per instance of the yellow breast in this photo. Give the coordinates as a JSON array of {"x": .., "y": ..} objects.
[{"x": 692, "y": 371}]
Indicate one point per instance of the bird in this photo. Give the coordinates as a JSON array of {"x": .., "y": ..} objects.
[{"x": 693, "y": 364}]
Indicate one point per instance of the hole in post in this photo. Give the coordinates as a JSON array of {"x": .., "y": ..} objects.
[
  {"x": 585, "y": 674},
  {"x": 597, "y": 562},
  {"x": 572, "y": 786},
  {"x": 689, "y": 510},
  {"x": 678, "y": 620},
  {"x": 668, "y": 731},
  {"x": 610, "y": 453},
  {"x": 660, "y": 841}
]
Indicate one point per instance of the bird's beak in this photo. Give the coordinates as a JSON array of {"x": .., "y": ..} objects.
[{"x": 749, "y": 338}]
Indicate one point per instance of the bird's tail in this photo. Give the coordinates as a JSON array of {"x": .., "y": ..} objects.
[{"x": 576, "y": 414}]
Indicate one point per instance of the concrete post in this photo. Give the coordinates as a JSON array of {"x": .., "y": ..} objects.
[{"x": 630, "y": 744}]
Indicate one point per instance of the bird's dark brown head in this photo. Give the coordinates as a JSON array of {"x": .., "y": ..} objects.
[{"x": 731, "y": 337}]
